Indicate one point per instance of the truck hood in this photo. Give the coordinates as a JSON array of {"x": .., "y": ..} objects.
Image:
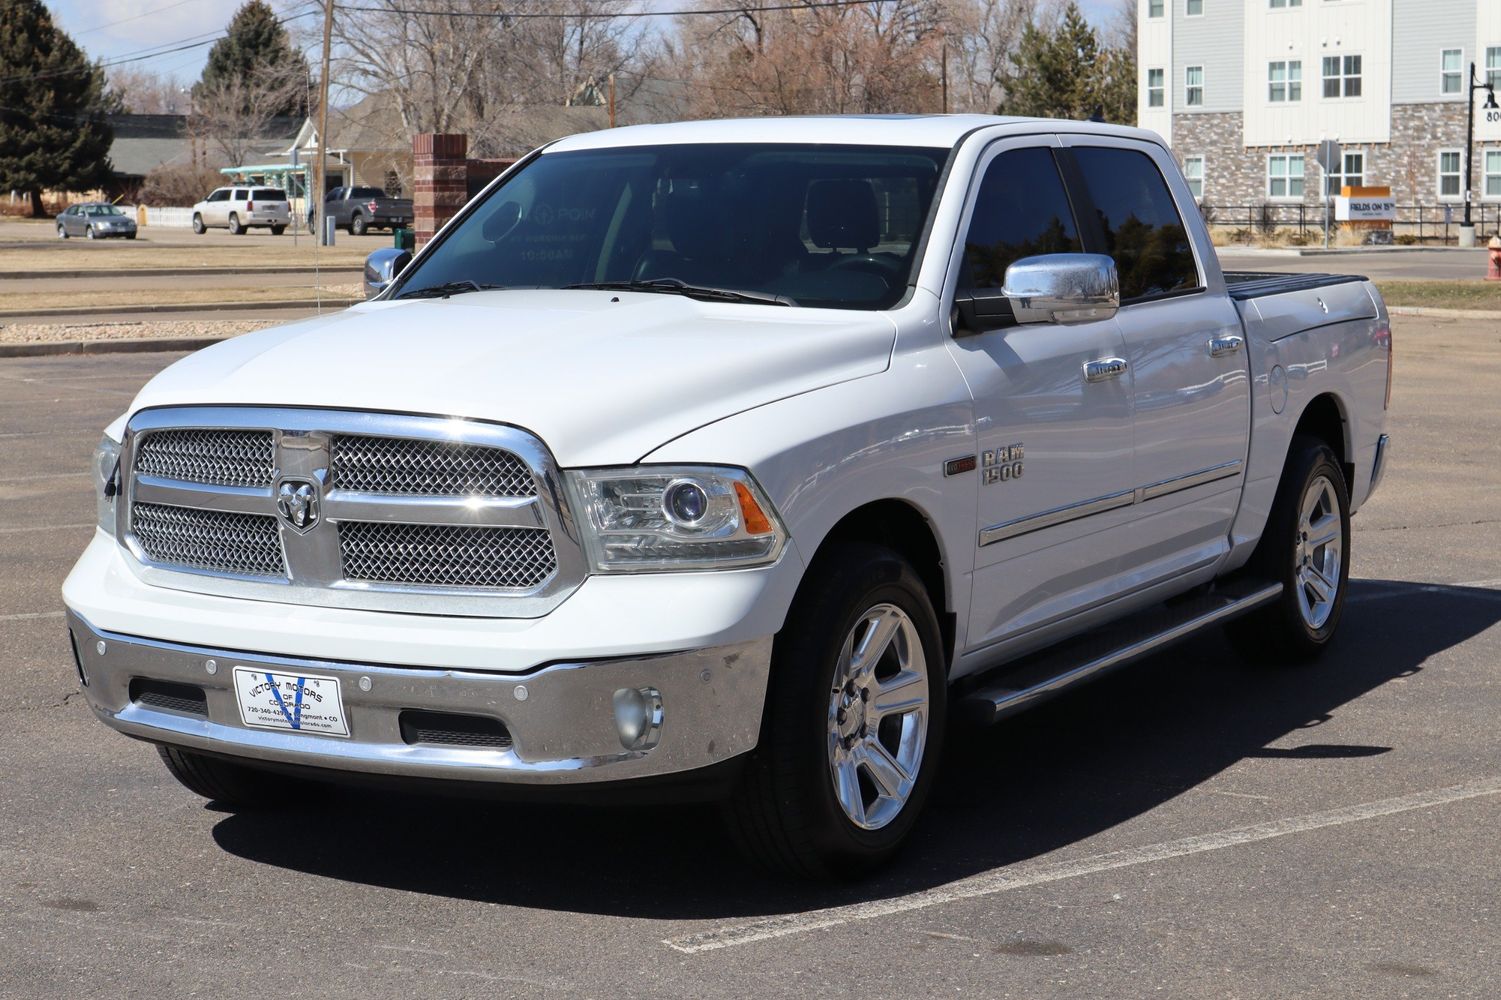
[{"x": 601, "y": 377}]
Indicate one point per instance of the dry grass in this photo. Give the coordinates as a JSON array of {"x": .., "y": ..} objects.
[
  {"x": 1442, "y": 294},
  {"x": 126, "y": 298}
]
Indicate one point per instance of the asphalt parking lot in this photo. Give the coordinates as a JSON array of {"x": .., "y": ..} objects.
[{"x": 1194, "y": 827}]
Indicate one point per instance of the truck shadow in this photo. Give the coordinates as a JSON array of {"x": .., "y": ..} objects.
[{"x": 1042, "y": 781}]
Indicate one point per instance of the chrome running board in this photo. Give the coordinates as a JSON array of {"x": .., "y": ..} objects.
[{"x": 1037, "y": 678}]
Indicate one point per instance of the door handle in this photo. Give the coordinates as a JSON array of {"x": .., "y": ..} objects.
[
  {"x": 1219, "y": 347},
  {"x": 1104, "y": 369}
]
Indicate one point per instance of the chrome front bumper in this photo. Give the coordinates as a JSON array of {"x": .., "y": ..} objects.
[{"x": 560, "y": 717}]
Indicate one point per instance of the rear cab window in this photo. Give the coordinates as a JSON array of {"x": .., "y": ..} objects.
[{"x": 1141, "y": 227}]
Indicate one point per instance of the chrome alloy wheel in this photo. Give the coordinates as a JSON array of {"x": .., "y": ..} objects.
[
  {"x": 1319, "y": 552},
  {"x": 878, "y": 717}
]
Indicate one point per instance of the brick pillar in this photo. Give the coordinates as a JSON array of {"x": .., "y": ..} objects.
[{"x": 441, "y": 185}]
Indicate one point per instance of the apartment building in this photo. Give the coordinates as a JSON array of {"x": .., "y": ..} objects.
[{"x": 1244, "y": 91}]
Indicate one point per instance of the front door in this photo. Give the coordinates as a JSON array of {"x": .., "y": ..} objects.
[
  {"x": 1187, "y": 354},
  {"x": 1055, "y": 471}
]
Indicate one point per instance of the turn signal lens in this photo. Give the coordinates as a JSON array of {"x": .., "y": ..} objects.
[{"x": 755, "y": 520}]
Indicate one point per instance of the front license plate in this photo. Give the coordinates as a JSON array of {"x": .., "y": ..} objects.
[{"x": 298, "y": 702}]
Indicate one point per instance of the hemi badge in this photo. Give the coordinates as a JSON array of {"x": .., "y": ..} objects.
[{"x": 954, "y": 466}]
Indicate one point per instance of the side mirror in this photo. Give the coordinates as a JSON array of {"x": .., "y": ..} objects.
[
  {"x": 382, "y": 268},
  {"x": 1063, "y": 288}
]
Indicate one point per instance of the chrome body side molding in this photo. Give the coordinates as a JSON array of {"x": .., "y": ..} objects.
[{"x": 1112, "y": 501}]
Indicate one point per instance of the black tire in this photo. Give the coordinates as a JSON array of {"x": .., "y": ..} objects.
[
  {"x": 235, "y": 229},
  {"x": 1282, "y": 632},
  {"x": 198, "y": 226},
  {"x": 784, "y": 812},
  {"x": 224, "y": 781},
  {"x": 357, "y": 225},
  {"x": 278, "y": 230}
]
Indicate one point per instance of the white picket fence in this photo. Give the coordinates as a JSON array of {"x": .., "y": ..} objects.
[{"x": 168, "y": 218}]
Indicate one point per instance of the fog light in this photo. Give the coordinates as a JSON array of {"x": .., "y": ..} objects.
[{"x": 638, "y": 717}]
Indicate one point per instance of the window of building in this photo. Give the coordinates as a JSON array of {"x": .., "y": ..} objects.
[
  {"x": 1193, "y": 8},
  {"x": 1449, "y": 185},
  {"x": 1021, "y": 211},
  {"x": 1193, "y": 86},
  {"x": 1493, "y": 173},
  {"x": 1143, "y": 231},
  {"x": 1451, "y": 80},
  {"x": 1342, "y": 76},
  {"x": 1284, "y": 81},
  {"x": 1351, "y": 173},
  {"x": 1493, "y": 67},
  {"x": 1156, "y": 88},
  {"x": 1154, "y": 8},
  {"x": 1275, "y": 4},
  {"x": 1284, "y": 175},
  {"x": 1193, "y": 170}
]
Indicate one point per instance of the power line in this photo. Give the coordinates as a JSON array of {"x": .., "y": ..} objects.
[{"x": 606, "y": 16}]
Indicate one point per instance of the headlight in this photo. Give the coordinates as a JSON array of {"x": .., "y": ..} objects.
[
  {"x": 106, "y": 481},
  {"x": 653, "y": 518}
]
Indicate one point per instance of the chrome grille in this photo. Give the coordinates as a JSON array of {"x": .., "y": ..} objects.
[
  {"x": 426, "y": 468},
  {"x": 212, "y": 540},
  {"x": 216, "y": 457},
  {"x": 439, "y": 555}
]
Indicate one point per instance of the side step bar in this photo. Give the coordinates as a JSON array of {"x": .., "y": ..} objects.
[{"x": 1037, "y": 678}]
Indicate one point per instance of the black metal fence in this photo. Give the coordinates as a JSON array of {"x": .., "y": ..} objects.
[{"x": 1413, "y": 224}]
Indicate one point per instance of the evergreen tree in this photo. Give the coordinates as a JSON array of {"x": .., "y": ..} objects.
[
  {"x": 53, "y": 130},
  {"x": 256, "y": 53},
  {"x": 1069, "y": 73}
]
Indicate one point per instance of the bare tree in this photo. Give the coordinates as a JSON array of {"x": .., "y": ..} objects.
[
  {"x": 235, "y": 114},
  {"x": 143, "y": 92}
]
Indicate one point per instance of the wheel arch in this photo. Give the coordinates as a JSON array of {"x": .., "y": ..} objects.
[
  {"x": 1326, "y": 418},
  {"x": 901, "y": 526}
]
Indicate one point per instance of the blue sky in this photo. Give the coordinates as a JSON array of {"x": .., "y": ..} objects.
[{"x": 110, "y": 29}]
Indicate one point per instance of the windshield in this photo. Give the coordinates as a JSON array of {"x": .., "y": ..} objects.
[
  {"x": 824, "y": 226},
  {"x": 103, "y": 210}
]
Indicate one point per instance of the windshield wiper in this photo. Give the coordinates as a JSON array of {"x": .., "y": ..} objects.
[
  {"x": 676, "y": 286},
  {"x": 446, "y": 289}
]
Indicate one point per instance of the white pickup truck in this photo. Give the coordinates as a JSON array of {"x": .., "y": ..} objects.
[{"x": 733, "y": 459}]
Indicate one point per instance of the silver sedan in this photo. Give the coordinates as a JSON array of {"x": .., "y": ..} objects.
[{"x": 95, "y": 220}]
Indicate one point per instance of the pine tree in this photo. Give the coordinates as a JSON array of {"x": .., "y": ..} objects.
[
  {"x": 53, "y": 130},
  {"x": 256, "y": 51},
  {"x": 1069, "y": 73}
]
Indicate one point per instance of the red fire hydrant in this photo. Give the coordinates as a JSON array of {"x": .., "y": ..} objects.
[{"x": 1494, "y": 274}]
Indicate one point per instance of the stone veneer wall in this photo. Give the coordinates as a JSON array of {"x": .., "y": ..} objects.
[{"x": 1236, "y": 175}]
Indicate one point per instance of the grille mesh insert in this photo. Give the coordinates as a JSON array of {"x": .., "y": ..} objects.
[
  {"x": 430, "y": 468},
  {"x": 218, "y": 541},
  {"x": 447, "y": 555},
  {"x": 217, "y": 457}
]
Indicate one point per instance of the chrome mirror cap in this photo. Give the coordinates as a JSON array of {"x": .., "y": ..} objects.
[
  {"x": 382, "y": 267},
  {"x": 1063, "y": 288}
]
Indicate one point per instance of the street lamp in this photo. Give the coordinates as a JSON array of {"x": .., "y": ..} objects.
[{"x": 1467, "y": 229}]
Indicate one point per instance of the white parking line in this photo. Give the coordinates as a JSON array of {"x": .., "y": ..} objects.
[{"x": 1022, "y": 876}]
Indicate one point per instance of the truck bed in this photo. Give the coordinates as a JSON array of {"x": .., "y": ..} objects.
[{"x": 1258, "y": 284}]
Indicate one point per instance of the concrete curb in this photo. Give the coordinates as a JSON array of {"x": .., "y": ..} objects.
[
  {"x": 174, "y": 272},
  {"x": 129, "y": 346},
  {"x": 1440, "y": 313},
  {"x": 42, "y": 315}
]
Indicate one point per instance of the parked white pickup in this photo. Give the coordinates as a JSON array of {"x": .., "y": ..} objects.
[{"x": 734, "y": 458}]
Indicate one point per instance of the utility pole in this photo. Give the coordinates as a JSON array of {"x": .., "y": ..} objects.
[{"x": 322, "y": 171}]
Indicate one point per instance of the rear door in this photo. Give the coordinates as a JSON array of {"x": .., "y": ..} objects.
[
  {"x": 1185, "y": 346},
  {"x": 1055, "y": 449}
]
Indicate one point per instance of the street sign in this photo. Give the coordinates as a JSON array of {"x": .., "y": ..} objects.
[{"x": 1329, "y": 156}]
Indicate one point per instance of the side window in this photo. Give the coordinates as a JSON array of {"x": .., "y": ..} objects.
[
  {"x": 1142, "y": 228},
  {"x": 1022, "y": 210}
]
